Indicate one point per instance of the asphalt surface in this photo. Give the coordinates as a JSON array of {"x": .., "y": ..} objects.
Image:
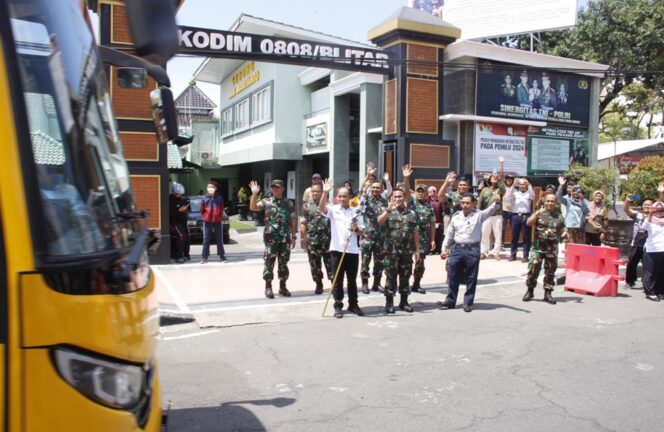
[{"x": 251, "y": 364}]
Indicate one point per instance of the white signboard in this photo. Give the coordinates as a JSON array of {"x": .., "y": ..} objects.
[
  {"x": 490, "y": 18},
  {"x": 549, "y": 154},
  {"x": 493, "y": 141}
]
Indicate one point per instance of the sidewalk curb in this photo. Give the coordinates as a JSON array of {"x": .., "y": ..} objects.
[{"x": 167, "y": 318}]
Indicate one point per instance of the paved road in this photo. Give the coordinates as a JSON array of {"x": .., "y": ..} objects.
[
  {"x": 250, "y": 364},
  {"x": 586, "y": 364}
]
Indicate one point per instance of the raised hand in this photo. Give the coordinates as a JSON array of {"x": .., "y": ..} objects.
[
  {"x": 562, "y": 180},
  {"x": 327, "y": 185},
  {"x": 255, "y": 189},
  {"x": 371, "y": 168},
  {"x": 407, "y": 171},
  {"x": 386, "y": 177},
  {"x": 496, "y": 198},
  {"x": 660, "y": 187},
  {"x": 392, "y": 205},
  {"x": 451, "y": 176}
]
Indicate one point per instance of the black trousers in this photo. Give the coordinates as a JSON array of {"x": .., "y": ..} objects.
[
  {"x": 179, "y": 240},
  {"x": 440, "y": 234},
  {"x": 349, "y": 268},
  {"x": 208, "y": 228},
  {"x": 653, "y": 273},
  {"x": 593, "y": 239},
  {"x": 519, "y": 225},
  {"x": 635, "y": 255}
]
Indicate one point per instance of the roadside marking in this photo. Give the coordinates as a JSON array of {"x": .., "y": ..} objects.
[
  {"x": 182, "y": 306},
  {"x": 190, "y": 335}
]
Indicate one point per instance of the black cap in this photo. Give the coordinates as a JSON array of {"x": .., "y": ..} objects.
[
  {"x": 316, "y": 175},
  {"x": 277, "y": 183}
]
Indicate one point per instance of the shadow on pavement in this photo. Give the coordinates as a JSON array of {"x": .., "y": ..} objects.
[
  {"x": 491, "y": 306},
  {"x": 229, "y": 416}
]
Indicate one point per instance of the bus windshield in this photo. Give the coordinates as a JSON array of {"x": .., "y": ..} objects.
[{"x": 80, "y": 169}]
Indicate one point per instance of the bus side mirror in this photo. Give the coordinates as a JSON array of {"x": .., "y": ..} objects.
[
  {"x": 163, "y": 114},
  {"x": 132, "y": 77},
  {"x": 153, "y": 29}
]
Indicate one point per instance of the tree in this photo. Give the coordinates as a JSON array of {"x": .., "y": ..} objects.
[
  {"x": 624, "y": 34},
  {"x": 591, "y": 179},
  {"x": 643, "y": 179}
]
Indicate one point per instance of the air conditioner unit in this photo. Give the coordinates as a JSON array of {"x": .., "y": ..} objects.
[{"x": 205, "y": 156}]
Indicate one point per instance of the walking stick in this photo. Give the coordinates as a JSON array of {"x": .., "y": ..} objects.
[{"x": 336, "y": 274}]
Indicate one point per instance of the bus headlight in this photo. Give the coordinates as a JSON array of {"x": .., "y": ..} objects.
[{"x": 110, "y": 383}]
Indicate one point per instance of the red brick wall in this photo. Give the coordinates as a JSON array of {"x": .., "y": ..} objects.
[
  {"x": 422, "y": 106},
  {"x": 391, "y": 106},
  {"x": 422, "y": 53},
  {"x": 129, "y": 102},
  {"x": 429, "y": 156},
  {"x": 146, "y": 192},
  {"x": 140, "y": 146},
  {"x": 120, "y": 31}
]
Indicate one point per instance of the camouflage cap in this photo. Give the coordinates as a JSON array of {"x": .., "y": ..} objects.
[
  {"x": 277, "y": 183},
  {"x": 421, "y": 186}
]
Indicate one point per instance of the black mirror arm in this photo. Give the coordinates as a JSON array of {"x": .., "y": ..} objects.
[{"x": 119, "y": 58}]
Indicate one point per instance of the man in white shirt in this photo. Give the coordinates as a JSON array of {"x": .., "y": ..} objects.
[
  {"x": 521, "y": 209},
  {"x": 346, "y": 226}
]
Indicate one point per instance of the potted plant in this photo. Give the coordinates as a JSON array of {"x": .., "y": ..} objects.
[{"x": 243, "y": 203}]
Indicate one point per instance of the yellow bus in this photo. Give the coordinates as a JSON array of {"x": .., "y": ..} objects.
[{"x": 78, "y": 311}]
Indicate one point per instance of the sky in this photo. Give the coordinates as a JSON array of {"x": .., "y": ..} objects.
[{"x": 350, "y": 19}]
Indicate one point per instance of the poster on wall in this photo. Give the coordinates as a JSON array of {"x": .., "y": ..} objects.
[
  {"x": 493, "y": 141},
  {"x": 532, "y": 94},
  {"x": 290, "y": 185},
  {"x": 551, "y": 150},
  {"x": 267, "y": 179}
]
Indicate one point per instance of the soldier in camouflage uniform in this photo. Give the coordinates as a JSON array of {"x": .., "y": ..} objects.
[
  {"x": 401, "y": 241},
  {"x": 549, "y": 231},
  {"x": 426, "y": 223},
  {"x": 315, "y": 237},
  {"x": 279, "y": 235},
  {"x": 373, "y": 238}
]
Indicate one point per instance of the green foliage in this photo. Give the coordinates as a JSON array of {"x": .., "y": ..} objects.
[
  {"x": 624, "y": 34},
  {"x": 643, "y": 179},
  {"x": 591, "y": 179},
  {"x": 242, "y": 195}
]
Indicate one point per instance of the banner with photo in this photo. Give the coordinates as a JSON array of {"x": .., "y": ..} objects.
[
  {"x": 532, "y": 94},
  {"x": 495, "y": 140},
  {"x": 551, "y": 150}
]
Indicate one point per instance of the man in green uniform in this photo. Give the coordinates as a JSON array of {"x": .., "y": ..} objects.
[
  {"x": 549, "y": 231},
  {"x": 372, "y": 240},
  {"x": 279, "y": 235},
  {"x": 426, "y": 224},
  {"x": 401, "y": 241},
  {"x": 315, "y": 237}
]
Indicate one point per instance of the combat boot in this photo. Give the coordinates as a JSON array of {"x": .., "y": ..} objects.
[
  {"x": 528, "y": 296},
  {"x": 548, "y": 298},
  {"x": 376, "y": 285},
  {"x": 282, "y": 289},
  {"x": 417, "y": 288},
  {"x": 319, "y": 287},
  {"x": 365, "y": 286},
  {"x": 268, "y": 289},
  {"x": 389, "y": 304},
  {"x": 403, "y": 304}
]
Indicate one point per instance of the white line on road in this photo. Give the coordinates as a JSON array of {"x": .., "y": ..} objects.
[
  {"x": 185, "y": 336},
  {"x": 182, "y": 306}
]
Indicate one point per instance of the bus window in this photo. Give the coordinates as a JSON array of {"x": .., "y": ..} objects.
[{"x": 82, "y": 176}]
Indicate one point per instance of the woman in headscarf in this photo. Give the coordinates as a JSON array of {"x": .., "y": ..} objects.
[
  {"x": 597, "y": 221},
  {"x": 653, "y": 259}
]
